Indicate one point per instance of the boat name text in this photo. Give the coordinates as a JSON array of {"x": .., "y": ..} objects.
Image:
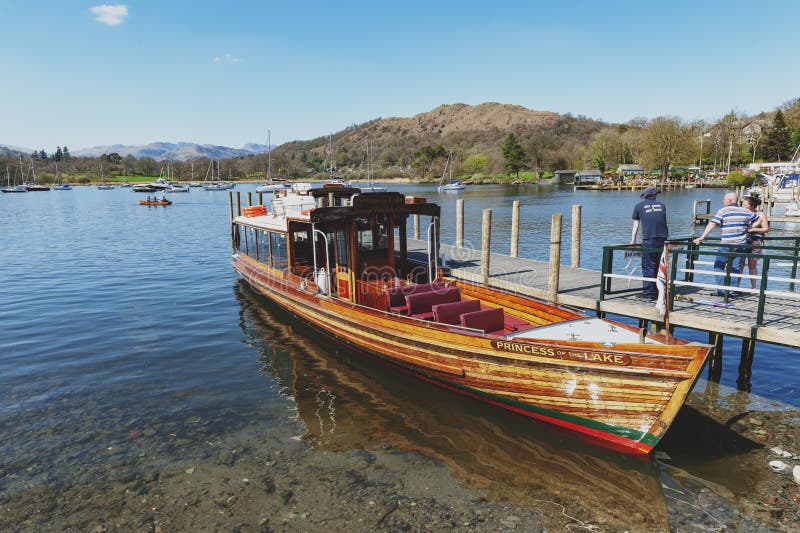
[{"x": 560, "y": 353}]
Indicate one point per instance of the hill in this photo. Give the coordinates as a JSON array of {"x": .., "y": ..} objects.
[{"x": 550, "y": 139}]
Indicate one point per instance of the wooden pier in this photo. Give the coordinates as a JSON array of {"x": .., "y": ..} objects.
[{"x": 580, "y": 287}]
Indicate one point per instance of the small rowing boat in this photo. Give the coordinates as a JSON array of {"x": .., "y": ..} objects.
[{"x": 155, "y": 202}]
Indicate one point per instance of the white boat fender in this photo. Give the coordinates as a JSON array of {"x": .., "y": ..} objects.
[{"x": 321, "y": 278}]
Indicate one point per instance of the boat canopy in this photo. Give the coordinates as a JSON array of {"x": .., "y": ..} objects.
[{"x": 362, "y": 205}]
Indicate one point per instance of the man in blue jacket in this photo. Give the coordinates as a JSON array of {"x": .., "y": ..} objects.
[{"x": 651, "y": 216}]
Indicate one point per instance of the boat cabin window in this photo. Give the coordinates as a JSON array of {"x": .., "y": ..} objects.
[
  {"x": 373, "y": 235},
  {"x": 303, "y": 253},
  {"x": 279, "y": 251},
  {"x": 250, "y": 247},
  {"x": 262, "y": 240}
]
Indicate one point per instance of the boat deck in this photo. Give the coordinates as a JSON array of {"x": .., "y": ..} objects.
[{"x": 580, "y": 287}]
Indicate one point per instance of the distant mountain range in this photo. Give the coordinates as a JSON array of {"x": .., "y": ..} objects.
[{"x": 181, "y": 151}]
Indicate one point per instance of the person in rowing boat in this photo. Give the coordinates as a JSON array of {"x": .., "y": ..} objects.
[{"x": 651, "y": 216}]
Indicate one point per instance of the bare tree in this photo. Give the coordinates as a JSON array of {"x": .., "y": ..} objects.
[{"x": 665, "y": 141}]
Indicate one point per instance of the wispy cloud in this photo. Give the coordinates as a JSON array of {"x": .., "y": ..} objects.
[
  {"x": 227, "y": 58},
  {"x": 113, "y": 15}
]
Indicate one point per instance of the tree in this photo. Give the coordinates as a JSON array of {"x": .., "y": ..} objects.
[
  {"x": 66, "y": 153},
  {"x": 42, "y": 155},
  {"x": 58, "y": 155},
  {"x": 777, "y": 146},
  {"x": 513, "y": 155},
  {"x": 603, "y": 148},
  {"x": 664, "y": 142},
  {"x": 475, "y": 163}
]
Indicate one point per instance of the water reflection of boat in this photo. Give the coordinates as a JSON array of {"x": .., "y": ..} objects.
[{"x": 349, "y": 402}]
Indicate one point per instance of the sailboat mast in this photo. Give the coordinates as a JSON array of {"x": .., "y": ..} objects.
[
  {"x": 330, "y": 149},
  {"x": 269, "y": 156}
]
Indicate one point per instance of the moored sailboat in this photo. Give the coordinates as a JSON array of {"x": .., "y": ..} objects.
[{"x": 345, "y": 269}]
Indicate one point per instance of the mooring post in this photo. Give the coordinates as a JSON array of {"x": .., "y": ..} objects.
[
  {"x": 486, "y": 242},
  {"x": 746, "y": 364},
  {"x": 260, "y": 198},
  {"x": 555, "y": 258},
  {"x": 460, "y": 223},
  {"x": 416, "y": 227},
  {"x": 238, "y": 204},
  {"x": 576, "y": 236},
  {"x": 515, "y": 228},
  {"x": 249, "y": 198},
  {"x": 715, "y": 362},
  {"x": 233, "y": 226},
  {"x": 769, "y": 200}
]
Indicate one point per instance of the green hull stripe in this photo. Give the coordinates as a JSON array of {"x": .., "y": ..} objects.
[{"x": 628, "y": 433}]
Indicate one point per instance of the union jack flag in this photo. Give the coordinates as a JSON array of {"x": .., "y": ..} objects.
[{"x": 661, "y": 282}]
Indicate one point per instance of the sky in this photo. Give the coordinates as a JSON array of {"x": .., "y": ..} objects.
[{"x": 84, "y": 74}]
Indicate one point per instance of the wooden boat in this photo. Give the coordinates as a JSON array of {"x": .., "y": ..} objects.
[
  {"x": 345, "y": 269},
  {"x": 155, "y": 202}
]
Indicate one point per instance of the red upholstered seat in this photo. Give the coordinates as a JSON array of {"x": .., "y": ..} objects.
[
  {"x": 489, "y": 321},
  {"x": 451, "y": 313},
  {"x": 396, "y": 296},
  {"x": 419, "y": 305}
]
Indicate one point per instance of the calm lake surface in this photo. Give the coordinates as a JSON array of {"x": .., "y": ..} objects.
[{"x": 119, "y": 319}]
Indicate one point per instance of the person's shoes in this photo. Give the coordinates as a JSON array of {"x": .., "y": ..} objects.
[
  {"x": 719, "y": 293},
  {"x": 645, "y": 298}
]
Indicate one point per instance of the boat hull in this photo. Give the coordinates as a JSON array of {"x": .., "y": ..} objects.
[{"x": 623, "y": 399}]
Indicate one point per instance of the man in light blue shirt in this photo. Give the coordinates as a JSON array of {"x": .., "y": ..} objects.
[{"x": 733, "y": 221}]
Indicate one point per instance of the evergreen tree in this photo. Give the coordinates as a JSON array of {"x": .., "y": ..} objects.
[
  {"x": 513, "y": 155},
  {"x": 778, "y": 146},
  {"x": 66, "y": 153},
  {"x": 58, "y": 155},
  {"x": 42, "y": 155}
]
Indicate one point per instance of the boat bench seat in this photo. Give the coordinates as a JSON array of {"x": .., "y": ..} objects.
[
  {"x": 491, "y": 321},
  {"x": 419, "y": 305},
  {"x": 451, "y": 313},
  {"x": 396, "y": 296}
]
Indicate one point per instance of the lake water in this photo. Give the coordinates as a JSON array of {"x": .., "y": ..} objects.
[{"x": 120, "y": 320}]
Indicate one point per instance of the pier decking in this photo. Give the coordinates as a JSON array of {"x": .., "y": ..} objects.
[{"x": 580, "y": 287}]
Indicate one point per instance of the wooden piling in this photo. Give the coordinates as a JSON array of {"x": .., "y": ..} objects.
[
  {"x": 238, "y": 204},
  {"x": 260, "y": 198},
  {"x": 515, "y": 228},
  {"x": 249, "y": 197},
  {"x": 416, "y": 227},
  {"x": 460, "y": 223},
  {"x": 555, "y": 258},
  {"x": 486, "y": 243},
  {"x": 746, "y": 364},
  {"x": 230, "y": 204},
  {"x": 715, "y": 360},
  {"x": 330, "y": 199},
  {"x": 576, "y": 236},
  {"x": 769, "y": 201}
]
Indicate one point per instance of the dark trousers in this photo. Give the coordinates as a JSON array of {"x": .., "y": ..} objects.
[{"x": 650, "y": 260}]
